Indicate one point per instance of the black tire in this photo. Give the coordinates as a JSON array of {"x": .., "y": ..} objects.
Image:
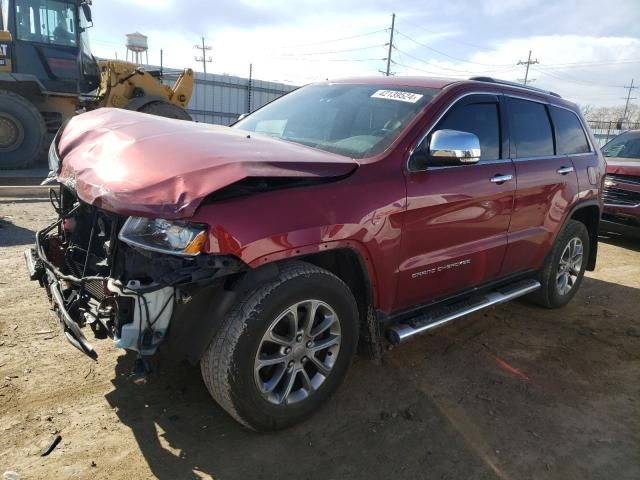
[
  {"x": 23, "y": 132},
  {"x": 550, "y": 295},
  {"x": 228, "y": 364},
  {"x": 165, "y": 109}
]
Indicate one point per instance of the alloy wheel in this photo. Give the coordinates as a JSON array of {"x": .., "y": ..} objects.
[
  {"x": 297, "y": 352},
  {"x": 569, "y": 266}
]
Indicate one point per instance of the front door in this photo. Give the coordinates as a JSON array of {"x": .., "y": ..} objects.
[{"x": 455, "y": 227}]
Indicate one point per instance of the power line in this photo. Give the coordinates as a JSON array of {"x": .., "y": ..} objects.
[
  {"x": 528, "y": 63},
  {"x": 574, "y": 64},
  {"x": 459, "y": 71},
  {"x": 336, "y": 59},
  {"x": 413, "y": 67},
  {"x": 568, "y": 79},
  {"x": 332, "y": 51},
  {"x": 204, "y": 59},
  {"x": 446, "y": 54},
  {"x": 626, "y": 105},
  {"x": 422, "y": 29},
  {"x": 337, "y": 39}
]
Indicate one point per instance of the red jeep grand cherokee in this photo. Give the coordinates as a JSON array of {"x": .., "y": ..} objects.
[
  {"x": 621, "y": 191},
  {"x": 350, "y": 211}
]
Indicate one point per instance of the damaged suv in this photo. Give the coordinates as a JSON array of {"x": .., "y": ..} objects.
[{"x": 345, "y": 213}]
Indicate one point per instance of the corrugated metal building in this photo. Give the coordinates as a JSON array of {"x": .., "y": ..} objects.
[{"x": 221, "y": 99}]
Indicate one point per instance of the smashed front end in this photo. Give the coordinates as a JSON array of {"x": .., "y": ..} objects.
[{"x": 128, "y": 278}]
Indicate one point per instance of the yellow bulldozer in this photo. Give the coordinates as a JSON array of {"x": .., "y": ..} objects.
[{"x": 48, "y": 74}]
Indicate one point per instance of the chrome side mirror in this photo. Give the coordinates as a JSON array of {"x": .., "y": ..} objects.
[{"x": 453, "y": 146}]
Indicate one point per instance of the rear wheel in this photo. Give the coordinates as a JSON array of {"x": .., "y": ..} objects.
[
  {"x": 165, "y": 109},
  {"x": 564, "y": 269},
  {"x": 284, "y": 349},
  {"x": 22, "y": 131}
]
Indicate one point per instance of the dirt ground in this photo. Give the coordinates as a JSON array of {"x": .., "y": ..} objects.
[{"x": 515, "y": 392}]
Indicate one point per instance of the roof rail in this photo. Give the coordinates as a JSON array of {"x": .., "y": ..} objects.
[{"x": 513, "y": 84}]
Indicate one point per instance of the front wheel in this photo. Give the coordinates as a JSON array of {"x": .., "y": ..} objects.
[
  {"x": 564, "y": 268},
  {"x": 22, "y": 131},
  {"x": 165, "y": 109},
  {"x": 283, "y": 349}
]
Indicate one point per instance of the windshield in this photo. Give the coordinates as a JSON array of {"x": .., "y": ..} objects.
[
  {"x": 626, "y": 145},
  {"x": 46, "y": 21},
  {"x": 354, "y": 120}
]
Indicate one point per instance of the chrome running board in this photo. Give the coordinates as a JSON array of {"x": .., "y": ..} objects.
[{"x": 400, "y": 332}]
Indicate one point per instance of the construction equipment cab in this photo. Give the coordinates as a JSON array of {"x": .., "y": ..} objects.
[{"x": 48, "y": 73}]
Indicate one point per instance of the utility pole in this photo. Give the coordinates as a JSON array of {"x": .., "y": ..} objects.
[
  {"x": 528, "y": 63},
  {"x": 629, "y": 97},
  {"x": 393, "y": 24},
  {"x": 204, "y": 59},
  {"x": 161, "y": 65}
]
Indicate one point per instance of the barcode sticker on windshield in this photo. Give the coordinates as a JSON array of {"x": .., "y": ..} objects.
[{"x": 408, "y": 97}]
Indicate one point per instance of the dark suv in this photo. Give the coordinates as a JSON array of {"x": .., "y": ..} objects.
[{"x": 362, "y": 210}]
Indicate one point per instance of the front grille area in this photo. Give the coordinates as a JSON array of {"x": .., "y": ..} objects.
[
  {"x": 632, "y": 179},
  {"x": 622, "y": 220},
  {"x": 614, "y": 192}
]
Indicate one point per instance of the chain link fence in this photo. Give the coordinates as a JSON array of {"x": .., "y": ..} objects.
[{"x": 605, "y": 130}]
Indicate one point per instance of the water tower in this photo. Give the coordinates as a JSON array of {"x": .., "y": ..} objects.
[{"x": 137, "y": 45}]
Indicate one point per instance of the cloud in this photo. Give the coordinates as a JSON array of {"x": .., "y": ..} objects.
[{"x": 302, "y": 41}]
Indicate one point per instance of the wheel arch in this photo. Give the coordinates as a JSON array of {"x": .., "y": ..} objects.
[
  {"x": 350, "y": 262},
  {"x": 349, "y": 266},
  {"x": 588, "y": 213},
  {"x": 192, "y": 338}
]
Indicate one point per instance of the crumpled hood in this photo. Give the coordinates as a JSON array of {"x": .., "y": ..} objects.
[
  {"x": 623, "y": 166},
  {"x": 137, "y": 164}
]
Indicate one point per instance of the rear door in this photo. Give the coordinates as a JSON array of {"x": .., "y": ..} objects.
[
  {"x": 546, "y": 184},
  {"x": 455, "y": 229}
]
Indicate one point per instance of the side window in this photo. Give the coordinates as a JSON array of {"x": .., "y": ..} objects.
[
  {"x": 483, "y": 120},
  {"x": 569, "y": 132},
  {"x": 531, "y": 132},
  {"x": 4, "y": 14},
  {"x": 25, "y": 22},
  {"x": 46, "y": 21}
]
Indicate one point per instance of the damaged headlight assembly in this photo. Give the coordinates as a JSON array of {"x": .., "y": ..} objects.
[{"x": 164, "y": 236}]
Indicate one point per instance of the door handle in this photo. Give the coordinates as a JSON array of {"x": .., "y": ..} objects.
[
  {"x": 564, "y": 170},
  {"x": 501, "y": 178}
]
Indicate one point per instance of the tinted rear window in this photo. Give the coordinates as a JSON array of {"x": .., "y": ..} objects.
[
  {"x": 531, "y": 130},
  {"x": 569, "y": 132}
]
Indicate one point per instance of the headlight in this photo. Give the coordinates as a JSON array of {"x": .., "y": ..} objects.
[{"x": 158, "y": 235}]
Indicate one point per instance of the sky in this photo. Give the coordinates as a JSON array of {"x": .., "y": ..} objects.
[{"x": 587, "y": 50}]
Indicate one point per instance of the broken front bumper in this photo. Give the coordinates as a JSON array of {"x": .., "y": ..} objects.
[
  {"x": 134, "y": 308},
  {"x": 71, "y": 329}
]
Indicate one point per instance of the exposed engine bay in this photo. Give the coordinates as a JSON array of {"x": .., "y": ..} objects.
[{"x": 94, "y": 279}]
